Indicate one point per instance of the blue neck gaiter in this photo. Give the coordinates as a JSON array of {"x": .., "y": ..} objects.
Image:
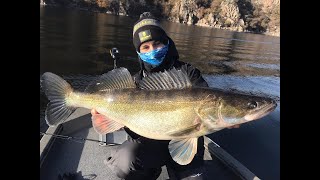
[{"x": 156, "y": 56}]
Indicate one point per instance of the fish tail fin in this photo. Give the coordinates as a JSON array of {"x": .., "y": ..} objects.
[{"x": 56, "y": 90}]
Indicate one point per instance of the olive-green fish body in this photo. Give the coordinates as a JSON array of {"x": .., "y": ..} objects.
[
  {"x": 154, "y": 114},
  {"x": 164, "y": 106}
]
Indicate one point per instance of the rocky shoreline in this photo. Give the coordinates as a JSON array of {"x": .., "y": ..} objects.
[{"x": 254, "y": 16}]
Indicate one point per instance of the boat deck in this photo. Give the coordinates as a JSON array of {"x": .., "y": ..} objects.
[{"x": 59, "y": 156}]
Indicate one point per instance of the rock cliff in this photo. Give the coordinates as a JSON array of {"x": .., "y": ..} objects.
[{"x": 257, "y": 16}]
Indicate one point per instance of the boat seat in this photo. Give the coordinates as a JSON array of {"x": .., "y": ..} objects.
[{"x": 117, "y": 137}]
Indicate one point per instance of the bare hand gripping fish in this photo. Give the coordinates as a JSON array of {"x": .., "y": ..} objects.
[{"x": 164, "y": 106}]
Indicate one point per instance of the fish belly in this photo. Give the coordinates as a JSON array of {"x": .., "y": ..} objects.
[{"x": 154, "y": 121}]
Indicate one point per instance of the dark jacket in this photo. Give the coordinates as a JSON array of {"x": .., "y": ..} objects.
[{"x": 170, "y": 61}]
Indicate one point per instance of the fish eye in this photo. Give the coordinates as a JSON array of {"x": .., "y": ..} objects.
[{"x": 252, "y": 104}]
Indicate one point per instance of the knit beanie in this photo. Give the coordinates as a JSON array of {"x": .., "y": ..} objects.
[{"x": 148, "y": 28}]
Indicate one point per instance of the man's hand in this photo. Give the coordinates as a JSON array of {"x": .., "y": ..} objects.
[
  {"x": 94, "y": 112},
  {"x": 234, "y": 126},
  {"x": 103, "y": 124}
]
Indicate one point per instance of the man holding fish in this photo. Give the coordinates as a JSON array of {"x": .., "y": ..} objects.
[
  {"x": 166, "y": 108},
  {"x": 156, "y": 52}
]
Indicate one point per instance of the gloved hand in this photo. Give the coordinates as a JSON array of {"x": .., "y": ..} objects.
[{"x": 123, "y": 160}]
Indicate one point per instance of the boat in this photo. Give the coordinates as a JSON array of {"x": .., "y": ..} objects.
[{"x": 75, "y": 147}]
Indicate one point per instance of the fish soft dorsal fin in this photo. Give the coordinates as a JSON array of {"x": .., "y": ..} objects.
[
  {"x": 119, "y": 78},
  {"x": 171, "y": 79},
  {"x": 183, "y": 151}
]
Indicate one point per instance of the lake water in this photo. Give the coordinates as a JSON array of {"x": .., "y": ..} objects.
[{"x": 75, "y": 44}]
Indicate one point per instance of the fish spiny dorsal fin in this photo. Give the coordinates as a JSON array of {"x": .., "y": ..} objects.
[
  {"x": 119, "y": 78},
  {"x": 171, "y": 79}
]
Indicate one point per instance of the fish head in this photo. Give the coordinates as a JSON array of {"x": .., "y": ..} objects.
[
  {"x": 232, "y": 109},
  {"x": 238, "y": 108}
]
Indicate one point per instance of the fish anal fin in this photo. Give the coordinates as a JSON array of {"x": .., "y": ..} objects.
[
  {"x": 183, "y": 151},
  {"x": 104, "y": 125}
]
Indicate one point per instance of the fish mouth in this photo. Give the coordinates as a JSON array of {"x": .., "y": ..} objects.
[{"x": 261, "y": 112}]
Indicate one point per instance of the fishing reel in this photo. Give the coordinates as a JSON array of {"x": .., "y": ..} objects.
[{"x": 115, "y": 54}]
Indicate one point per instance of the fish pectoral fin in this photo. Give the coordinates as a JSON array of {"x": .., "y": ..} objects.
[
  {"x": 183, "y": 151},
  {"x": 104, "y": 125}
]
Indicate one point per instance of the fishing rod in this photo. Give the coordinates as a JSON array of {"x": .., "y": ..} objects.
[{"x": 76, "y": 139}]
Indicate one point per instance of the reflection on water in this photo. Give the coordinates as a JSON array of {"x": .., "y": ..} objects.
[
  {"x": 78, "y": 42},
  {"x": 75, "y": 44}
]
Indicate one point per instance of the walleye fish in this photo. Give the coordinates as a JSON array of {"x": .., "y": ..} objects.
[{"x": 164, "y": 106}]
